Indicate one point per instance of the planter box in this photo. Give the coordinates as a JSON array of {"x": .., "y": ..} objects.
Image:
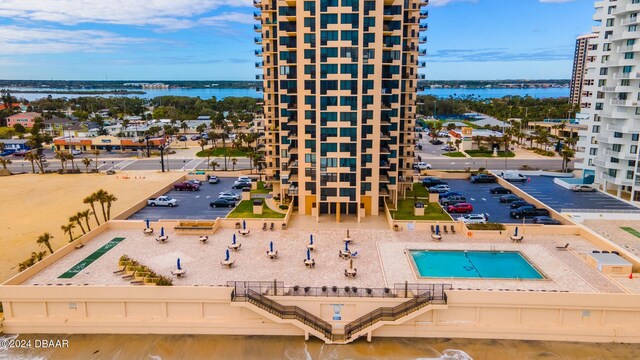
[{"x": 257, "y": 207}]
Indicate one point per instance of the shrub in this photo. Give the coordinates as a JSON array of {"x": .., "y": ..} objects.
[
  {"x": 283, "y": 207},
  {"x": 163, "y": 281},
  {"x": 487, "y": 226}
]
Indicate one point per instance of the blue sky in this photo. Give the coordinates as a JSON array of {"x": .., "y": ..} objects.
[{"x": 213, "y": 39}]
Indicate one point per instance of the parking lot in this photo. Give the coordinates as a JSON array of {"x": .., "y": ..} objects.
[
  {"x": 483, "y": 201},
  {"x": 191, "y": 204},
  {"x": 555, "y": 196}
]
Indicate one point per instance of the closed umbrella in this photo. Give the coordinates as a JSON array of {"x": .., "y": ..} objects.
[
  {"x": 179, "y": 268},
  {"x": 437, "y": 229},
  {"x": 244, "y": 225},
  {"x": 227, "y": 258},
  {"x": 347, "y": 233},
  {"x": 308, "y": 254},
  {"x": 311, "y": 240},
  {"x": 516, "y": 233},
  {"x": 233, "y": 241},
  {"x": 271, "y": 246},
  {"x": 350, "y": 263},
  {"x": 346, "y": 247},
  {"x": 147, "y": 223},
  {"x": 162, "y": 231}
]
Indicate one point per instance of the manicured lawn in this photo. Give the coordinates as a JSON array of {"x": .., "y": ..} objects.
[
  {"x": 488, "y": 154},
  {"x": 216, "y": 152},
  {"x": 455, "y": 154},
  {"x": 631, "y": 231},
  {"x": 4, "y": 132},
  {"x": 418, "y": 190},
  {"x": 431, "y": 212},
  {"x": 245, "y": 210},
  {"x": 261, "y": 189}
]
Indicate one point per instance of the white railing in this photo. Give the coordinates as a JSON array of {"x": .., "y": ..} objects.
[{"x": 595, "y": 211}]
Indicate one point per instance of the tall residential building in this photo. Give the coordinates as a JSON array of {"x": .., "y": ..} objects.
[
  {"x": 610, "y": 102},
  {"x": 579, "y": 67},
  {"x": 340, "y": 80}
]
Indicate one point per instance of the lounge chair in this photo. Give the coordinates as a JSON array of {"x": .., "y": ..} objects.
[
  {"x": 433, "y": 229},
  {"x": 130, "y": 276},
  {"x": 605, "y": 252},
  {"x": 566, "y": 247},
  {"x": 616, "y": 253},
  {"x": 444, "y": 228},
  {"x": 121, "y": 270},
  {"x": 595, "y": 251},
  {"x": 453, "y": 229},
  {"x": 273, "y": 227},
  {"x": 354, "y": 254},
  {"x": 264, "y": 226}
]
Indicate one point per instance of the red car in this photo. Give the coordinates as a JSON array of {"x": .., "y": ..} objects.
[{"x": 460, "y": 208}]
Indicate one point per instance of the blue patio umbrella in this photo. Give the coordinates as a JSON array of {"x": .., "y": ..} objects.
[
  {"x": 271, "y": 246},
  {"x": 516, "y": 234},
  {"x": 179, "y": 268},
  {"x": 244, "y": 225},
  {"x": 311, "y": 240},
  {"x": 162, "y": 231},
  {"x": 346, "y": 246},
  {"x": 227, "y": 258},
  {"x": 308, "y": 254},
  {"x": 437, "y": 229},
  {"x": 233, "y": 241},
  {"x": 147, "y": 223}
]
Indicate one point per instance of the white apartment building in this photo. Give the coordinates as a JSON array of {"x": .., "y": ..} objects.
[{"x": 610, "y": 100}]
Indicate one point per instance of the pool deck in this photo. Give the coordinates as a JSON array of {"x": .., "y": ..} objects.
[
  {"x": 611, "y": 229},
  {"x": 382, "y": 260}
]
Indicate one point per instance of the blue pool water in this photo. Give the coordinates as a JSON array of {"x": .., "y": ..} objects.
[{"x": 474, "y": 265}]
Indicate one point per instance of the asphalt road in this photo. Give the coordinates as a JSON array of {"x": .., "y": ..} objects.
[{"x": 191, "y": 204}]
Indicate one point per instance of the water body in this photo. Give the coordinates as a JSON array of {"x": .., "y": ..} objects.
[
  {"x": 162, "y": 347},
  {"x": 219, "y": 93}
]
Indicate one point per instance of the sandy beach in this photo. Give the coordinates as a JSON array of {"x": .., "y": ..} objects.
[{"x": 34, "y": 204}]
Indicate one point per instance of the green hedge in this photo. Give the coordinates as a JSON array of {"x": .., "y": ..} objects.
[{"x": 487, "y": 226}]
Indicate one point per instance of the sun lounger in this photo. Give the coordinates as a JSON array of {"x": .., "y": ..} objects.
[
  {"x": 273, "y": 227},
  {"x": 453, "y": 229},
  {"x": 264, "y": 226},
  {"x": 433, "y": 229},
  {"x": 444, "y": 228},
  {"x": 595, "y": 251},
  {"x": 130, "y": 276},
  {"x": 605, "y": 252},
  {"x": 121, "y": 270},
  {"x": 137, "y": 282},
  {"x": 616, "y": 253},
  {"x": 566, "y": 247}
]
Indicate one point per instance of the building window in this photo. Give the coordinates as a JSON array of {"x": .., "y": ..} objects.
[
  {"x": 628, "y": 55},
  {"x": 613, "y": 172},
  {"x": 599, "y": 106},
  {"x": 635, "y": 137},
  {"x": 616, "y": 147},
  {"x": 593, "y": 151},
  {"x": 596, "y": 129},
  {"x": 629, "y": 174},
  {"x": 617, "y": 134},
  {"x": 615, "y": 160},
  {"x": 633, "y": 149}
]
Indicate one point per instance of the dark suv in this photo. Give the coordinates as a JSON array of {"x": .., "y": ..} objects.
[
  {"x": 483, "y": 178},
  {"x": 431, "y": 181},
  {"x": 528, "y": 211},
  {"x": 452, "y": 200}
]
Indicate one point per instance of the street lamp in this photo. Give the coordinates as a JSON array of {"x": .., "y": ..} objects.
[
  {"x": 162, "y": 147},
  {"x": 148, "y": 150}
]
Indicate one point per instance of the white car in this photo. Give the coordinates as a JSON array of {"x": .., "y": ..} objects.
[
  {"x": 422, "y": 166},
  {"x": 448, "y": 148},
  {"x": 76, "y": 152},
  {"x": 228, "y": 195},
  {"x": 474, "y": 219},
  {"x": 442, "y": 188},
  {"x": 244, "y": 179},
  {"x": 583, "y": 188}
]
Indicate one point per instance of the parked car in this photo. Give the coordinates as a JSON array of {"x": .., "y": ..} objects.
[
  {"x": 439, "y": 188},
  {"x": 244, "y": 178},
  {"x": 518, "y": 203},
  {"x": 528, "y": 211},
  {"x": 8, "y": 152},
  {"x": 186, "y": 186},
  {"x": 196, "y": 137},
  {"x": 21, "y": 152},
  {"x": 75, "y": 152},
  {"x": 182, "y": 138},
  {"x": 452, "y": 200},
  {"x": 213, "y": 179},
  {"x": 205, "y": 136},
  {"x": 483, "y": 178},
  {"x": 500, "y": 190},
  {"x": 228, "y": 195},
  {"x": 511, "y": 175},
  {"x": 195, "y": 182},
  {"x": 222, "y": 203},
  {"x": 443, "y": 134},
  {"x": 449, "y": 148},
  {"x": 163, "y": 201},
  {"x": 583, "y": 188},
  {"x": 459, "y": 208},
  {"x": 436, "y": 142},
  {"x": 509, "y": 198},
  {"x": 545, "y": 220},
  {"x": 449, "y": 193},
  {"x": 241, "y": 185},
  {"x": 474, "y": 219},
  {"x": 431, "y": 181},
  {"x": 422, "y": 166}
]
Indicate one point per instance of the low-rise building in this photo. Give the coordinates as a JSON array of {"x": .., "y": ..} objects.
[
  {"x": 15, "y": 144},
  {"x": 25, "y": 119},
  {"x": 54, "y": 126},
  {"x": 475, "y": 139},
  {"x": 107, "y": 143}
]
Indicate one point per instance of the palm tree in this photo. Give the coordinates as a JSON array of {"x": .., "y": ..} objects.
[
  {"x": 86, "y": 162},
  {"x": 31, "y": 157},
  {"x": 91, "y": 199},
  {"x": 567, "y": 154},
  {"x": 96, "y": 152},
  {"x": 233, "y": 162},
  {"x": 110, "y": 199},
  {"x": 67, "y": 229},
  {"x": 77, "y": 218},
  {"x": 214, "y": 165},
  {"x": 62, "y": 156},
  {"x": 85, "y": 215},
  {"x": 45, "y": 240},
  {"x": 478, "y": 141},
  {"x": 572, "y": 141},
  {"x": 38, "y": 256},
  {"x": 4, "y": 162},
  {"x": 101, "y": 196}
]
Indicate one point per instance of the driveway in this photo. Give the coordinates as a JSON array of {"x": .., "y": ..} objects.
[{"x": 191, "y": 204}]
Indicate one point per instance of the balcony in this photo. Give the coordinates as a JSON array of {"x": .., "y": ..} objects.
[
  {"x": 385, "y": 150},
  {"x": 422, "y": 64},
  {"x": 257, "y": 3},
  {"x": 258, "y": 40},
  {"x": 424, "y": 14},
  {"x": 422, "y": 40},
  {"x": 259, "y": 77},
  {"x": 626, "y": 103},
  {"x": 259, "y": 65},
  {"x": 422, "y": 53},
  {"x": 257, "y": 28},
  {"x": 622, "y": 129},
  {"x": 385, "y": 165},
  {"x": 293, "y": 136},
  {"x": 258, "y": 52},
  {"x": 423, "y": 27},
  {"x": 257, "y": 15},
  {"x": 424, "y": 2},
  {"x": 292, "y": 191},
  {"x": 385, "y": 136},
  {"x": 383, "y": 178},
  {"x": 422, "y": 76}
]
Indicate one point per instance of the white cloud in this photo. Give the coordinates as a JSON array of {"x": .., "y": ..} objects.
[
  {"x": 437, "y": 3},
  {"x": 555, "y": 1},
  {"x": 163, "y": 14},
  {"x": 18, "y": 40}
]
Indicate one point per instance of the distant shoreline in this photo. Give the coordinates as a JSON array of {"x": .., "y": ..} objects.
[{"x": 80, "y": 92}]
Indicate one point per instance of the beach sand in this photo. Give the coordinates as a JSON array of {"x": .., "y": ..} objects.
[{"x": 34, "y": 204}]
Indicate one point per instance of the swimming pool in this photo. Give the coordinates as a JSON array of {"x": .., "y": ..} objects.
[{"x": 473, "y": 264}]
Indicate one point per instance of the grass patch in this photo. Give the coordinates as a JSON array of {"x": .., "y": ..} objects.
[
  {"x": 217, "y": 152},
  {"x": 543, "y": 152},
  {"x": 488, "y": 153},
  {"x": 418, "y": 190},
  {"x": 487, "y": 226},
  {"x": 245, "y": 210},
  {"x": 261, "y": 189},
  {"x": 431, "y": 212},
  {"x": 7, "y": 132},
  {"x": 631, "y": 231},
  {"x": 455, "y": 154}
]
